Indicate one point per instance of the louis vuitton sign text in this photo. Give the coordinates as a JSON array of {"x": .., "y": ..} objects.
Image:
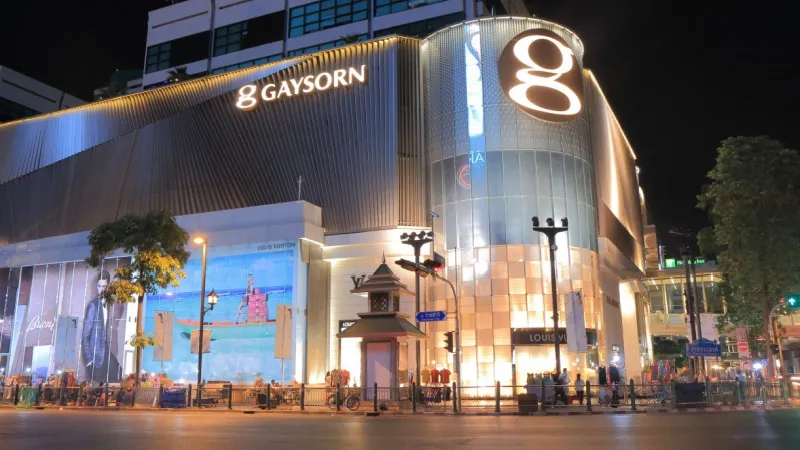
[{"x": 249, "y": 94}]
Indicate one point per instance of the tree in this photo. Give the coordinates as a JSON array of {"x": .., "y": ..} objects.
[
  {"x": 177, "y": 75},
  {"x": 156, "y": 243},
  {"x": 665, "y": 348},
  {"x": 753, "y": 203}
]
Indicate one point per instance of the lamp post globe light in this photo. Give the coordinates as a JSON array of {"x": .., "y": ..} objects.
[
  {"x": 551, "y": 231},
  {"x": 212, "y": 300},
  {"x": 417, "y": 240}
]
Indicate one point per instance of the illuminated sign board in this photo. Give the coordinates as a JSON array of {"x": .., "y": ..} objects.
[
  {"x": 249, "y": 95},
  {"x": 541, "y": 75}
]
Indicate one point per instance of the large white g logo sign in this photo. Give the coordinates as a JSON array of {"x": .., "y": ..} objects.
[
  {"x": 543, "y": 80},
  {"x": 246, "y": 99}
]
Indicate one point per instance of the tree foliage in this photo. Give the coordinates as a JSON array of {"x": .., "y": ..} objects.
[
  {"x": 157, "y": 245},
  {"x": 753, "y": 202}
]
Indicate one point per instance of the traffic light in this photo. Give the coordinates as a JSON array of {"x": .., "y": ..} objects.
[
  {"x": 774, "y": 349},
  {"x": 449, "y": 341},
  {"x": 793, "y": 302}
]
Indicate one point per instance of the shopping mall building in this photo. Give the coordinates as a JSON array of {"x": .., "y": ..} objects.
[{"x": 302, "y": 174}]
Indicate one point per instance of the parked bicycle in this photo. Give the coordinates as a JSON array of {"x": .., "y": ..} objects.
[{"x": 349, "y": 398}]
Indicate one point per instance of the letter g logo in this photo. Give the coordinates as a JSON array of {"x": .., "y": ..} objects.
[{"x": 540, "y": 74}]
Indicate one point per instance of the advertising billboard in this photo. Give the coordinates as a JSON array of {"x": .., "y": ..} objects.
[
  {"x": 62, "y": 324},
  {"x": 251, "y": 281}
]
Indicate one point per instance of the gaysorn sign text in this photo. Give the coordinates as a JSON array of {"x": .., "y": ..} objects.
[
  {"x": 540, "y": 73},
  {"x": 249, "y": 94}
]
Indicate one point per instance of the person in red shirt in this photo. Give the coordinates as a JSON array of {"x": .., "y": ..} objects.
[
  {"x": 444, "y": 374},
  {"x": 434, "y": 376}
]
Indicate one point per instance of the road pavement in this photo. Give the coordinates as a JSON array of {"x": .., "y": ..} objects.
[{"x": 120, "y": 430}]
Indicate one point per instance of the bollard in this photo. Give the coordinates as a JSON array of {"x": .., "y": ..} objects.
[
  {"x": 189, "y": 396},
  {"x": 302, "y": 396},
  {"x": 456, "y": 398},
  {"x": 738, "y": 393},
  {"x": 16, "y": 395},
  {"x": 633, "y": 395},
  {"x": 544, "y": 406},
  {"x": 338, "y": 396},
  {"x": 674, "y": 397},
  {"x": 588, "y": 396},
  {"x": 783, "y": 393},
  {"x": 414, "y": 396},
  {"x": 375, "y": 397},
  {"x": 159, "y": 396},
  {"x": 763, "y": 393},
  {"x": 497, "y": 397},
  {"x": 38, "y": 395},
  {"x": 133, "y": 396},
  {"x": 709, "y": 394},
  {"x": 106, "y": 396},
  {"x": 61, "y": 399},
  {"x": 230, "y": 396},
  {"x": 269, "y": 396}
]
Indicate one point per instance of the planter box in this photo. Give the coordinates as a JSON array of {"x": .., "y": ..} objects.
[{"x": 528, "y": 403}]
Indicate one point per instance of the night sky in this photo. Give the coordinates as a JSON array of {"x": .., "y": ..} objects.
[{"x": 681, "y": 76}]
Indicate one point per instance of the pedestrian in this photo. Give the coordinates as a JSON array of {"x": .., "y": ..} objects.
[
  {"x": 579, "y": 386},
  {"x": 563, "y": 386}
]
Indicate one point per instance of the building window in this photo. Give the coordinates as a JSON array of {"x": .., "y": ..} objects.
[
  {"x": 328, "y": 45},
  {"x": 10, "y": 110},
  {"x": 242, "y": 65},
  {"x": 229, "y": 39},
  {"x": 384, "y": 7},
  {"x": 325, "y": 14},
  {"x": 422, "y": 28},
  {"x": 249, "y": 33},
  {"x": 178, "y": 52},
  {"x": 158, "y": 57}
]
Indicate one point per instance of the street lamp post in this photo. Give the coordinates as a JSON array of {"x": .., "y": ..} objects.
[
  {"x": 421, "y": 270},
  {"x": 417, "y": 240},
  {"x": 551, "y": 231},
  {"x": 212, "y": 300}
]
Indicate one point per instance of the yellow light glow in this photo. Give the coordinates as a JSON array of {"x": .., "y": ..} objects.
[
  {"x": 590, "y": 75},
  {"x": 199, "y": 240}
]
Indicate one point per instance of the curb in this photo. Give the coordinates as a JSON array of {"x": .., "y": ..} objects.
[{"x": 370, "y": 413}]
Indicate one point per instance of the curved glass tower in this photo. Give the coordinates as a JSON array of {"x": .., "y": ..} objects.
[{"x": 492, "y": 167}]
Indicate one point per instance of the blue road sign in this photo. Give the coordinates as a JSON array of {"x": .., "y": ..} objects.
[
  {"x": 431, "y": 316},
  {"x": 703, "y": 347}
]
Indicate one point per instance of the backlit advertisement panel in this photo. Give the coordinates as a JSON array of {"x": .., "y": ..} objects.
[{"x": 251, "y": 281}]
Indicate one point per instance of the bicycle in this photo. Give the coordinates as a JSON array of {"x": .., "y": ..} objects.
[{"x": 349, "y": 399}]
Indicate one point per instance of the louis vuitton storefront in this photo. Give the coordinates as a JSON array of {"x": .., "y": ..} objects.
[{"x": 469, "y": 132}]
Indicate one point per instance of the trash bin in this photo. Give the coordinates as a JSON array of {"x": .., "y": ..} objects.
[
  {"x": 527, "y": 403},
  {"x": 690, "y": 395}
]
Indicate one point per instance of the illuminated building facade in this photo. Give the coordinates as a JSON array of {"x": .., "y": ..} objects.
[{"x": 485, "y": 123}]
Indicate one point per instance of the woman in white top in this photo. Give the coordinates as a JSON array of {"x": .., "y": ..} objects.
[{"x": 579, "y": 385}]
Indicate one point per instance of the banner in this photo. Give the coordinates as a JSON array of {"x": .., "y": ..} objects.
[
  {"x": 283, "y": 332},
  {"x": 164, "y": 323},
  {"x": 195, "y": 341},
  {"x": 576, "y": 323}
]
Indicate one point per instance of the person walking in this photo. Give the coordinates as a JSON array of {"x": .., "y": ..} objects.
[
  {"x": 563, "y": 387},
  {"x": 579, "y": 386}
]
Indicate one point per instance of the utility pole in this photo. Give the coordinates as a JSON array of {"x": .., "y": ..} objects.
[
  {"x": 417, "y": 240},
  {"x": 551, "y": 231},
  {"x": 690, "y": 304}
]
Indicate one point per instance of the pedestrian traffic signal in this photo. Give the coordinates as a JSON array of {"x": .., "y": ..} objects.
[
  {"x": 793, "y": 302},
  {"x": 449, "y": 341}
]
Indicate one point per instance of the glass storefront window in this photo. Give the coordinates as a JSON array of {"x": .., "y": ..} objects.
[
  {"x": 675, "y": 297},
  {"x": 655, "y": 294},
  {"x": 713, "y": 297}
]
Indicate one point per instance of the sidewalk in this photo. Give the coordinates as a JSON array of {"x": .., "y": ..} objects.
[{"x": 368, "y": 412}]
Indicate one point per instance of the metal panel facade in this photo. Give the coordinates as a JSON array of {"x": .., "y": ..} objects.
[{"x": 190, "y": 150}]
